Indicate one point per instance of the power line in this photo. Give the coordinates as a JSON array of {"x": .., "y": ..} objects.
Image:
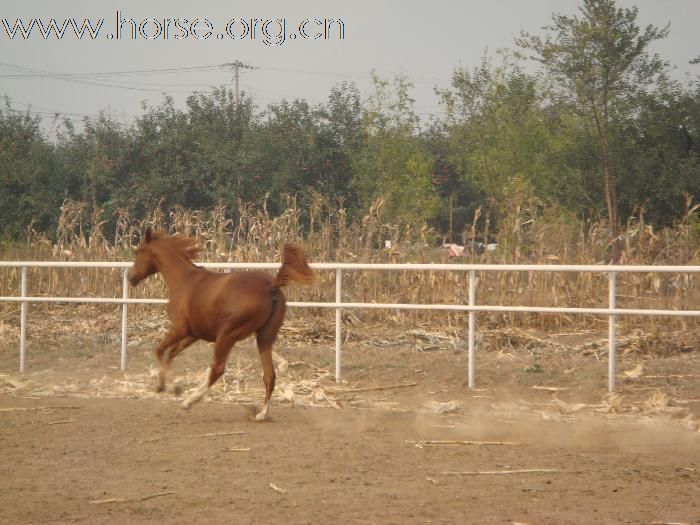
[
  {"x": 100, "y": 79},
  {"x": 49, "y": 112},
  {"x": 37, "y": 73},
  {"x": 104, "y": 80},
  {"x": 347, "y": 75}
]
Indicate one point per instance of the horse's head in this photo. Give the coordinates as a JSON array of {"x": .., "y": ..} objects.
[{"x": 144, "y": 263}]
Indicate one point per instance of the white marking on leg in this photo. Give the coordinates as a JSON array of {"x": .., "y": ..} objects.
[
  {"x": 199, "y": 393},
  {"x": 263, "y": 413}
]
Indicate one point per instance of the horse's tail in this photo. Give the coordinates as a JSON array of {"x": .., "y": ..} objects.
[{"x": 294, "y": 268}]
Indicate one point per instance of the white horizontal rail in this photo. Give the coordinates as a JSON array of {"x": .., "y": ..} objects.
[
  {"x": 386, "y": 306},
  {"x": 472, "y": 308},
  {"x": 591, "y": 268}
]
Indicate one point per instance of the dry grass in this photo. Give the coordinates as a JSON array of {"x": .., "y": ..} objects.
[{"x": 529, "y": 234}]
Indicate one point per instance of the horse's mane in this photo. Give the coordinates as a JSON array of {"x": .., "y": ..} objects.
[{"x": 187, "y": 246}]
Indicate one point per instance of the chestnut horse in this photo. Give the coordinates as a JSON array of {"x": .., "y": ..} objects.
[{"x": 218, "y": 307}]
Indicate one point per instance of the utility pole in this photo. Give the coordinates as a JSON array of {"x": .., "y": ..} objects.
[{"x": 235, "y": 66}]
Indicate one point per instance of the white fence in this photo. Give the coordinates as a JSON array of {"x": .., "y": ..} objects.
[{"x": 471, "y": 307}]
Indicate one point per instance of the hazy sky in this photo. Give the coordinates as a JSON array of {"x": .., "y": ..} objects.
[{"x": 425, "y": 40}]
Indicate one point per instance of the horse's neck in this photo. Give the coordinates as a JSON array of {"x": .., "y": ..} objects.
[{"x": 174, "y": 268}]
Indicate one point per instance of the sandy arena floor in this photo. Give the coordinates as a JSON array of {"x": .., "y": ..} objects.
[{"x": 401, "y": 440}]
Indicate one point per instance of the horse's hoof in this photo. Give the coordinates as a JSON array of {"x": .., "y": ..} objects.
[
  {"x": 186, "y": 405},
  {"x": 178, "y": 390},
  {"x": 160, "y": 389},
  {"x": 261, "y": 416}
]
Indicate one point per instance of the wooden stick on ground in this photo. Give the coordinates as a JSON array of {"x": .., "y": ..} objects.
[
  {"x": 151, "y": 440},
  {"x": 29, "y": 409},
  {"x": 124, "y": 500},
  {"x": 157, "y": 495},
  {"x": 369, "y": 388},
  {"x": 670, "y": 376},
  {"x": 216, "y": 434},
  {"x": 110, "y": 500},
  {"x": 438, "y": 443},
  {"x": 277, "y": 489},
  {"x": 497, "y": 472}
]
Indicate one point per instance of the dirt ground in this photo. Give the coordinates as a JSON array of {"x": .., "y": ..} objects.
[{"x": 400, "y": 440}]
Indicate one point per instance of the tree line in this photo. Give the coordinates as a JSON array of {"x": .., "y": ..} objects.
[{"x": 598, "y": 131}]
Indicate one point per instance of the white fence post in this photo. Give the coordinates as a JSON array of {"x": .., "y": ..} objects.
[
  {"x": 125, "y": 296},
  {"x": 22, "y": 318},
  {"x": 472, "y": 322},
  {"x": 612, "y": 293},
  {"x": 338, "y": 322}
]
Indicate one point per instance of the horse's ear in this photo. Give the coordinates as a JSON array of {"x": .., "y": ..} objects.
[{"x": 149, "y": 235}]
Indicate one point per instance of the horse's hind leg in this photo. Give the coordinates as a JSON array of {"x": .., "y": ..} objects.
[
  {"x": 265, "y": 350},
  {"x": 266, "y": 336}
]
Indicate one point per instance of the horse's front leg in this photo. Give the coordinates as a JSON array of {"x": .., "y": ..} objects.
[
  {"x": 179, "y": 347},
  {"x": 172, "y": 344}
]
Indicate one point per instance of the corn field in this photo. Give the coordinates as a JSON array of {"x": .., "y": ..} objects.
[{"x": 250, "y": 234}]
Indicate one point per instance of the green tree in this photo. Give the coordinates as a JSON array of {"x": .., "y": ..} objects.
[
  {"x": 221, "y": 130},
  {"x": 340, "y": 137},
  {"x": 160, "y": 166},
  {"x": 502, "y": 135},
  {"x": 32, "y": 185},
  {"x": 600, "y": 60},
  {"x": 393, "y": 164},
  {"x": 658, "y": 157},
  {"x": 95, "y": 163},
  {"x": 286, "y": 156}
]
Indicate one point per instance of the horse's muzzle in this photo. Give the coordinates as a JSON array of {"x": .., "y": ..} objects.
[{"x": 132, "y": 278}]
